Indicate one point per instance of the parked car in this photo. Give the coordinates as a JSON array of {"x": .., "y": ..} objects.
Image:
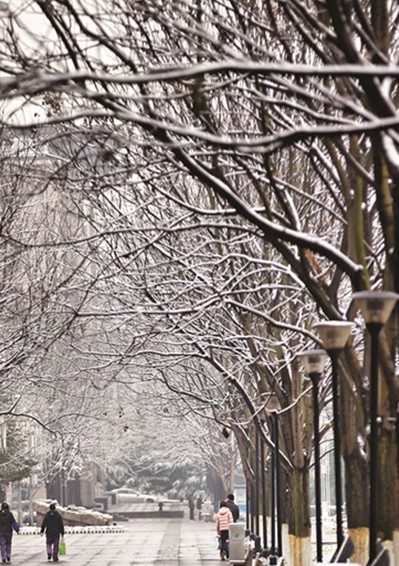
[{"x": 128, "y": 495}]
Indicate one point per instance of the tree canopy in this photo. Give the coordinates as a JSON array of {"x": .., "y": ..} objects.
[{"x": 187, "y": 189}]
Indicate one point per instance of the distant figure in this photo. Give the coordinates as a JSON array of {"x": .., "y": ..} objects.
[
  {"x": 191, "y": 507},
  {"x": 54, "y": 527},
  {"x": 199, "y": 507},
  {"x": 223, "y": 520},
  {"x": 7, "y": 524},
  {"x": 235, "y": 510}
]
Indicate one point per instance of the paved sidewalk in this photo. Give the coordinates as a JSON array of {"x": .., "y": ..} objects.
[{"x": 144, "y": 542}]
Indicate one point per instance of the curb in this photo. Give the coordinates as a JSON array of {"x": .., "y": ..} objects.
[{"x": 78, "y": 530}]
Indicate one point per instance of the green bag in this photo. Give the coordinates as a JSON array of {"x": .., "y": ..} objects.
[{"x": 62, "y": 547}]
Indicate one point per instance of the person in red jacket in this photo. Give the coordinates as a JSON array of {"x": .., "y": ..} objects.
[{"x": 223, "y": 520}]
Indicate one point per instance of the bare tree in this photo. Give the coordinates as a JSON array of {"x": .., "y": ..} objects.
[{"x": 283, "y": 115}]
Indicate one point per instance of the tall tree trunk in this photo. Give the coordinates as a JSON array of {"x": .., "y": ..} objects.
[
  {"x": 299, "y": 527},
  {"x": 357, "y": 484},
  {"x": 353, "y": 411}
]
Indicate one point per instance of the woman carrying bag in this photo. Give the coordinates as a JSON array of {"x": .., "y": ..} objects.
[
  {"x": 7, "y": 525},
  {"x": 53, "y": 525}
]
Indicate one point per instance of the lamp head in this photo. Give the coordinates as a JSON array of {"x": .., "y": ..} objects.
[
  {"x": 313, "y": 361},
  {"x": 333, "y": 333},
  {"x": 272, "y": 403},
  {"x": 376, "y": 306}
]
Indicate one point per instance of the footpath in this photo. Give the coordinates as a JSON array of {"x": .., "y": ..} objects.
[{"x": 144, "y": 542}]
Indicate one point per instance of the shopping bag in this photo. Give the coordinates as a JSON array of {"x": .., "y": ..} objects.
[{"x": 62, "y": 547}]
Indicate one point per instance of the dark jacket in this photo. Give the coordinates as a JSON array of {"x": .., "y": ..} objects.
[
  {"x": 235, "y": 510},
  {"x": 52, "y": 524},
  {"x": 7, "y": 522}
]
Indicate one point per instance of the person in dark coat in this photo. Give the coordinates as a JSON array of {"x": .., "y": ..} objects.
[
  {"x": 53, "y": 525},
  {"x": 7, "y": 524},
  {"x": 235, "y": 510},
  {"x": 191, "y": 507},
  {"x": 199, "y": 507}
]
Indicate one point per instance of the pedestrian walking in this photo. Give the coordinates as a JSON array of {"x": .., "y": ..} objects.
[
  {"x": 199, "y": 507},
  {"x": 223, "y": 521},
  {"x": 53, "y": 526},
  {"x": 191, "y": 507},
  {"x": 235, "y": 510},
  {"x": 7, "y": 525}
]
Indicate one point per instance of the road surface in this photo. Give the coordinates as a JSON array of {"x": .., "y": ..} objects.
[{"x": 144, "y": 542}]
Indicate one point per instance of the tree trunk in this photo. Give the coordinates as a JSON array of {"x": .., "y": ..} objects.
[
  {"x": 357, "y": 484},
  {"x": 299, "y": 527},
  {"x": 387, "y": 487},
  {"x": 53, "y": 488}
]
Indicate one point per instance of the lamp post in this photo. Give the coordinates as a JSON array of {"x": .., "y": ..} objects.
[
  {"x": 257, "y": 490},
  {"x": 334, "y": 335},
  {"x": 247, "y": 506},
  {"x": 272, "y": 406},
  {"x": 251, "y": 495},
  {"x": 273, "y": 546},
  {"x": 376, "y": 308},
  {"x": 314, "y": 362},
  {"x": 264, "y": 499},
  {"x": 256, "y": 482},
  {"x": 276, "y": 434}
]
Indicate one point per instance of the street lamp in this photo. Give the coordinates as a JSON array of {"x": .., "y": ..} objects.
[
  {"x": 334, "y": 335},
  {"x": 276, "y": 433},
  {"x": 257, "y": 490},
  {"x": 314, "y": 362},
  {"x": 264, "y": 498},
  {"x": 376, "y": 308},
  {"x": 272, "y": 406}
]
